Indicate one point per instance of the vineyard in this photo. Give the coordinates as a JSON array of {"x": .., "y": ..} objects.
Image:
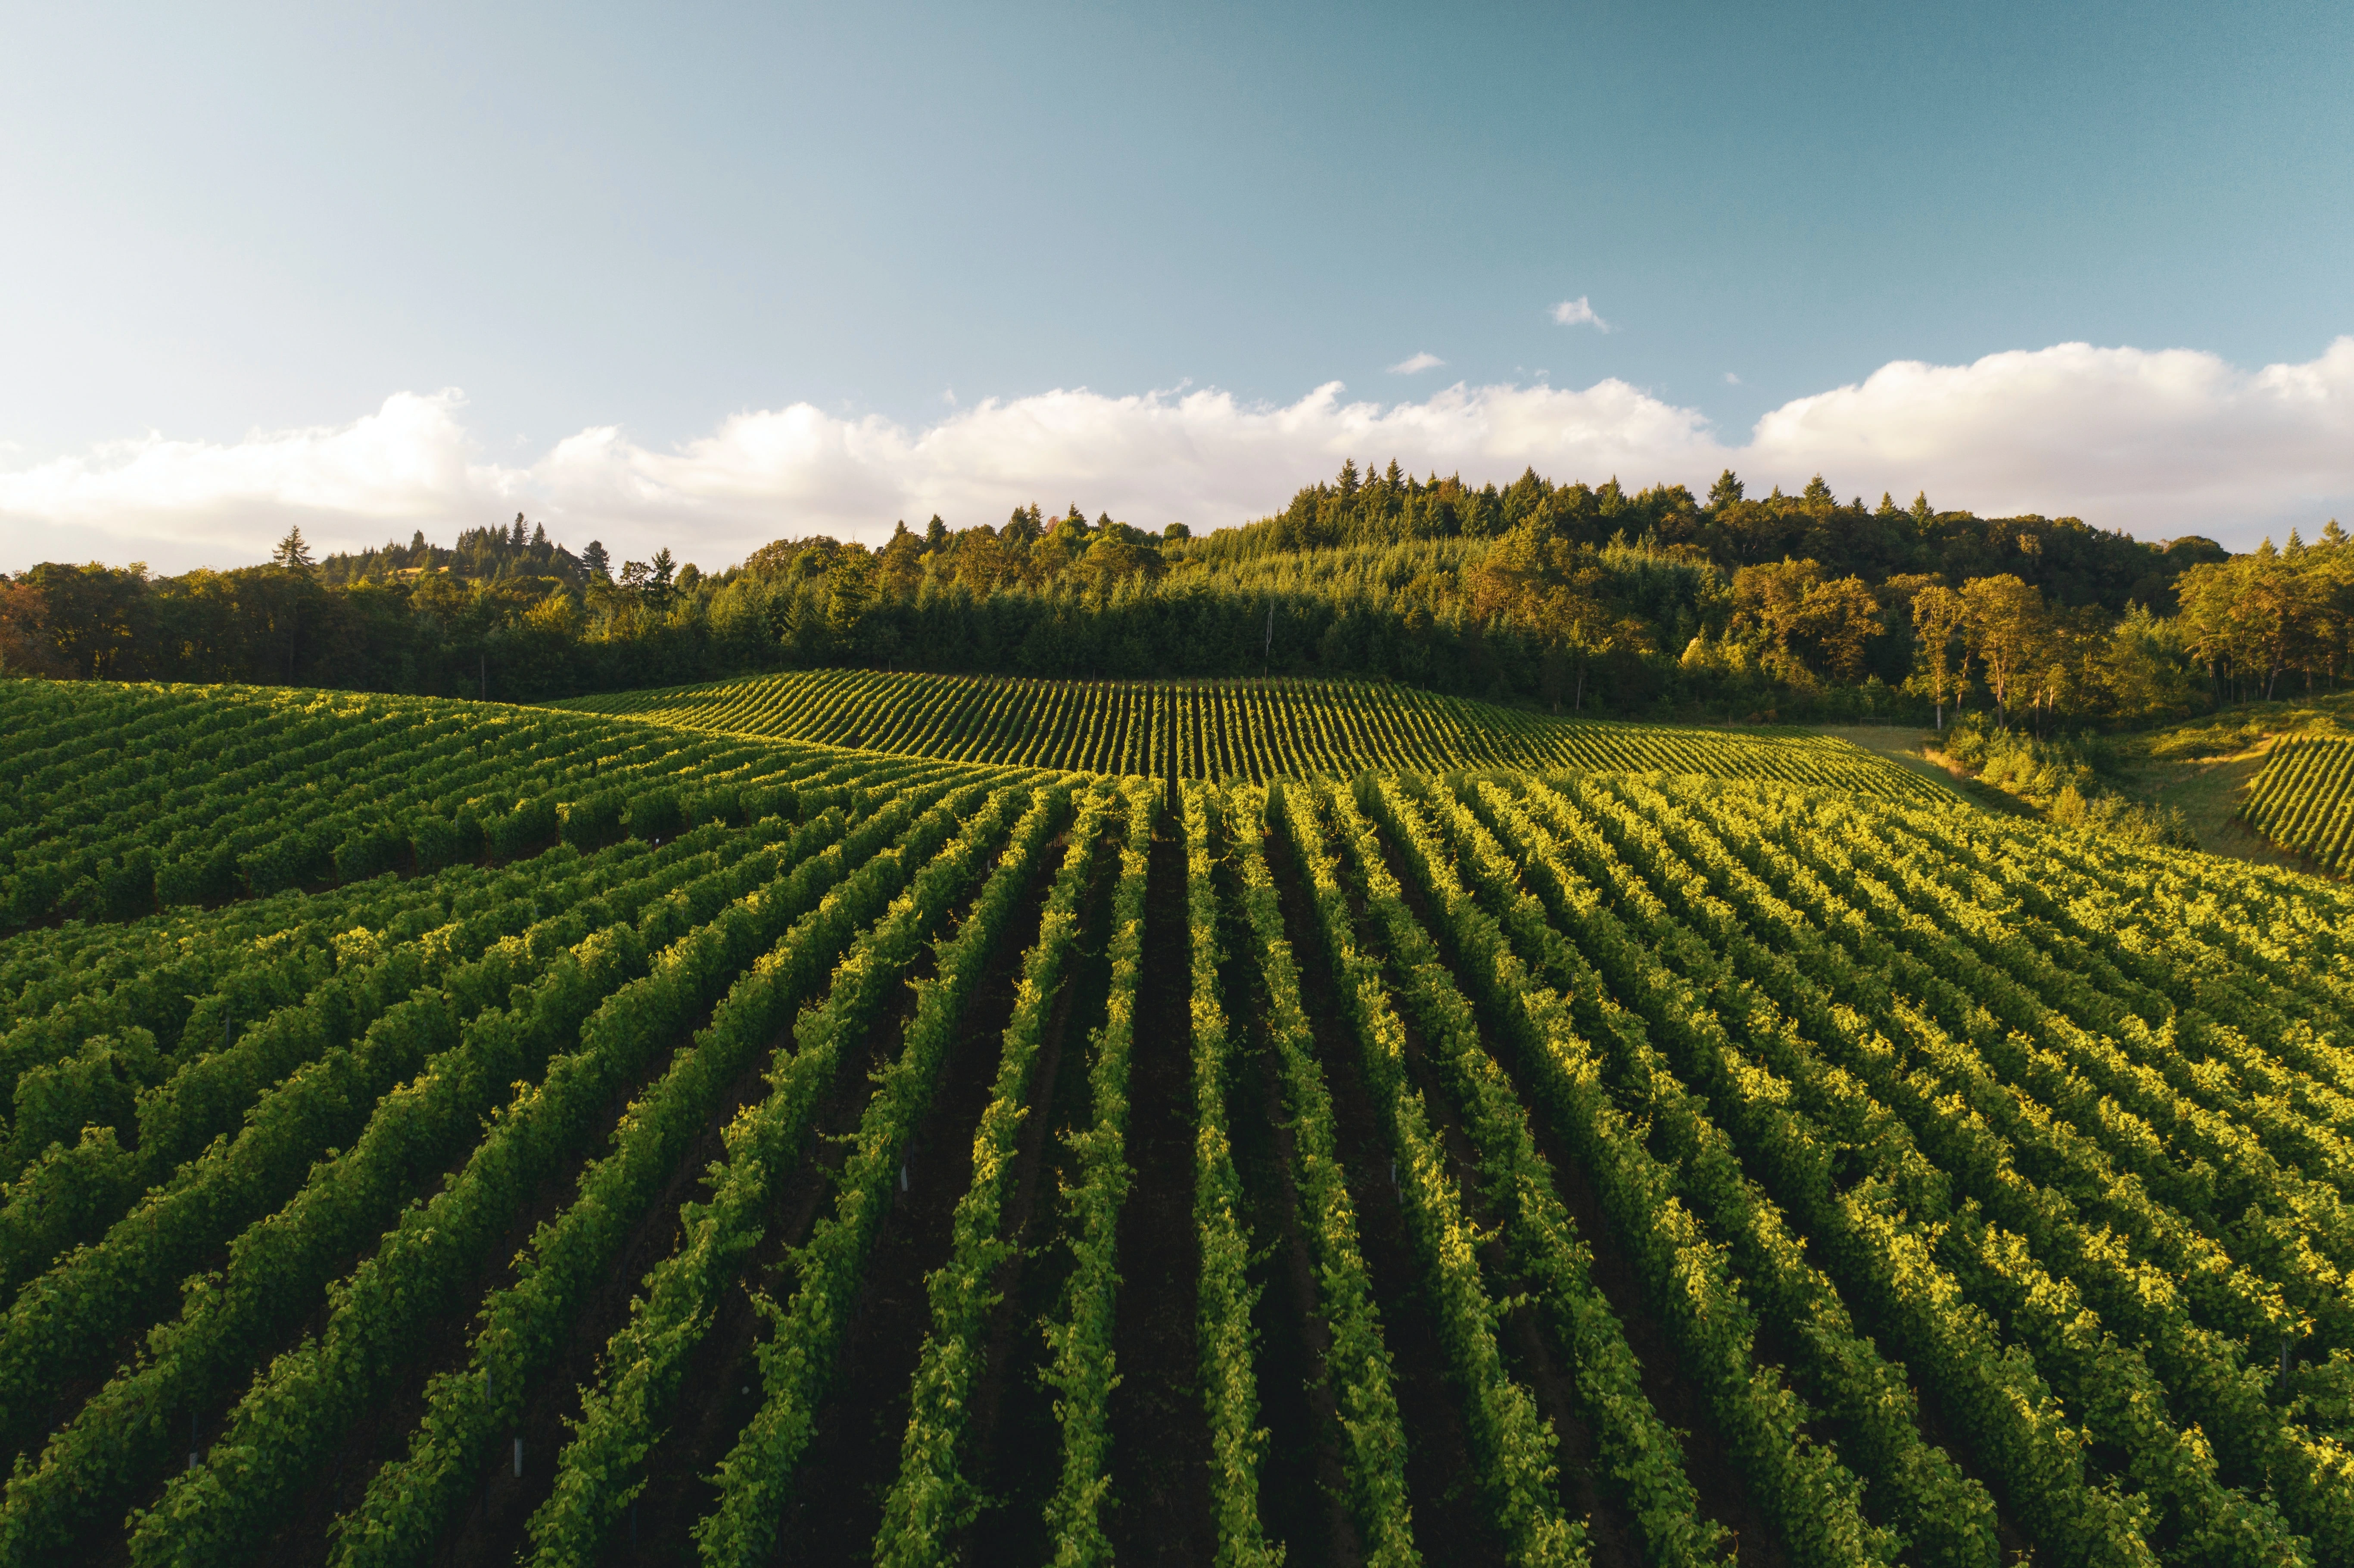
[
  {"x": 443, "y": 1133},
  {"x": 2301, "y": 799},
  {"x": 1252, "y": 731}
]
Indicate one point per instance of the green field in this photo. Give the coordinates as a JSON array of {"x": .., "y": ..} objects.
[
  {"x": 1253, "y": 731},
  {"x": 2301, "y": 801},
  {"x": 855, "y": 1119}
]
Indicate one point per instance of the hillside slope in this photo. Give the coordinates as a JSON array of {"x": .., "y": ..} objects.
[
  {"x": 1578, "y": 1167},
  {"x": 2303, "y": 800},
  {"x": 2246, "y": 780},
  {"x": 1249, "y": 730}
]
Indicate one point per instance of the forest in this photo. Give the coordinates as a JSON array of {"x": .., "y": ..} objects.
[{"x": 1570, "y": 597}]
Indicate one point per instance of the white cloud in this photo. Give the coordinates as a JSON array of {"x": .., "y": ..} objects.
[
  {"x": 407, "y": 464},
  {"x": 1201, "y": 457},
  {"x": 1420, "y": 362},
  {"x": 1577, "y": 312},
  {"x": 2159, "y": 443},
  {"x": 1731, "y": 379}
]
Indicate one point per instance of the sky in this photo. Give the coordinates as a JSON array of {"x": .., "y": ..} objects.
[{"x": 705, "y": 276}]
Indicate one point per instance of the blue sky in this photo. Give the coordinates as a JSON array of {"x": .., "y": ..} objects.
[{"x": 408, "y": 265}]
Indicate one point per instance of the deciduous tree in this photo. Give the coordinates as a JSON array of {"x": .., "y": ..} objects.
[
  {"x": 2003, "y": 621},
  {"x": 1939, "y": 616}
]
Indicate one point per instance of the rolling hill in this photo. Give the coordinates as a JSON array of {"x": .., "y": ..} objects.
[{"x": 440, "y": 1132}]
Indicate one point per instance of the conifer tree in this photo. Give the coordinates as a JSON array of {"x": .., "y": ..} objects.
[{"x": 294, "y": 552}]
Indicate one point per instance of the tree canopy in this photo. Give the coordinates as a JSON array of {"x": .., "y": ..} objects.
[{"x": 1571, "y": 595}]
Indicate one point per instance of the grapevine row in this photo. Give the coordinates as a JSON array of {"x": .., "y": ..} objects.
[
  {"x": 797, "y": 1364},
  {"x": 1253, "y": 730},
  {"x": 1358, "y": 1362},
  {"x": 1515, "y": 1448},
  {"x": 389, "y": 1305},
  {"x": 1079, "y": 1336},
  {"x": 1224, "y": 1296},
  {"x": 932, "y": 1499}
]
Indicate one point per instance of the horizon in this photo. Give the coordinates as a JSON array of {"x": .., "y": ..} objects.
[{"x": 575, "y": 547}]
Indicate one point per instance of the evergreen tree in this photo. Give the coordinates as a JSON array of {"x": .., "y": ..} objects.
[
  {"x": 1028, "y": 523},
  {"x": 597, "y": 563},
  {"x": 1725, "y": 491},
  {"x": 292, "y": 552}
]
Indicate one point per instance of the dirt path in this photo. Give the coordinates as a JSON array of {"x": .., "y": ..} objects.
[
  {"x": 2208, "y": 791},
  {"x": 1910, "y": 747}
]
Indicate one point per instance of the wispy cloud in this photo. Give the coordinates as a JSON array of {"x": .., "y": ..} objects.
[
  {"x": 2158, "y": 442},
  {"x": 1420, "y": 362},
  {"x": 1731, "y": 379},
  {"x": 1577, "y": 312}
]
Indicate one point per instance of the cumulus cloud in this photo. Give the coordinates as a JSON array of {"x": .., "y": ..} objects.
[
  {"x": 1202, "y": 457},
  {"x": 407, "y": 461},
  {"x": 1420, "y": 362},
  {"x": 2157, "y": 442},
  {"x": 2160, "y": 442},
  {"x": 1577, "y": 312}
]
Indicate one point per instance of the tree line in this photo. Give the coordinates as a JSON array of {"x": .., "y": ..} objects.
[{"x": 1574, "y": 598}]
